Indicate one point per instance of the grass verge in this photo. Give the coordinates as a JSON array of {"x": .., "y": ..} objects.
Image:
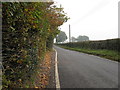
[{"x": 109, "y": 54}]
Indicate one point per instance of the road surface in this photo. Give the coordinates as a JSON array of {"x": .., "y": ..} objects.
[{"x": 79, "y": 70}]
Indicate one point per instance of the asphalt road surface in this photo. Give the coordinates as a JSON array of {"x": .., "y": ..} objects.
[{"x": 79, "y": 70}]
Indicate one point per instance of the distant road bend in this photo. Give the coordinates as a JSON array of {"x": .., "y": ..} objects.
[{"x": 79, "y": 70}]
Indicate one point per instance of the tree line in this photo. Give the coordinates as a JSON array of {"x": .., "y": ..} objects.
[{"x": 61, "y": 37}]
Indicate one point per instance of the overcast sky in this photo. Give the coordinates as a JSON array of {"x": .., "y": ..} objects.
[{"x": 97, "y": 19}]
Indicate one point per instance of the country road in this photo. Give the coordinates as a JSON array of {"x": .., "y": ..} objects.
[{"x": 79, "y": 70}]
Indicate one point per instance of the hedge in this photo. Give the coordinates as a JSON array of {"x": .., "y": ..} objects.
[
  {"x": 28, "y": 30},
  {"x": 110, "y": 44}
]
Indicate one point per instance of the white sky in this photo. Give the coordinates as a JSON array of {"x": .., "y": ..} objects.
[{"x": 97, "y": 19}]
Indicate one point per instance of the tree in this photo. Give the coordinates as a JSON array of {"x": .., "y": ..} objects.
[
  {"x": 61, "y": 37},
  {"x": 82, "y": 38}
]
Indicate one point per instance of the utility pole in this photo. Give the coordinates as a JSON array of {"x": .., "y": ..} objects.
[{"x": 69, "y": 34}]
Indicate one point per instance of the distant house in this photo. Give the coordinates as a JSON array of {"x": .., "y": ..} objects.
[{"x": 73, "y": 39}]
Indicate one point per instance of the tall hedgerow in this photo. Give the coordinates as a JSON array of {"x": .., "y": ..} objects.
[{"x": 28, "y": 29}]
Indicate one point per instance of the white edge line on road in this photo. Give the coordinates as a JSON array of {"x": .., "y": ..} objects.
[{"x": 56, "y": 72}]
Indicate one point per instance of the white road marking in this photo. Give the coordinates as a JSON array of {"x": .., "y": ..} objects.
[{"x": 56, "y": 73}]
